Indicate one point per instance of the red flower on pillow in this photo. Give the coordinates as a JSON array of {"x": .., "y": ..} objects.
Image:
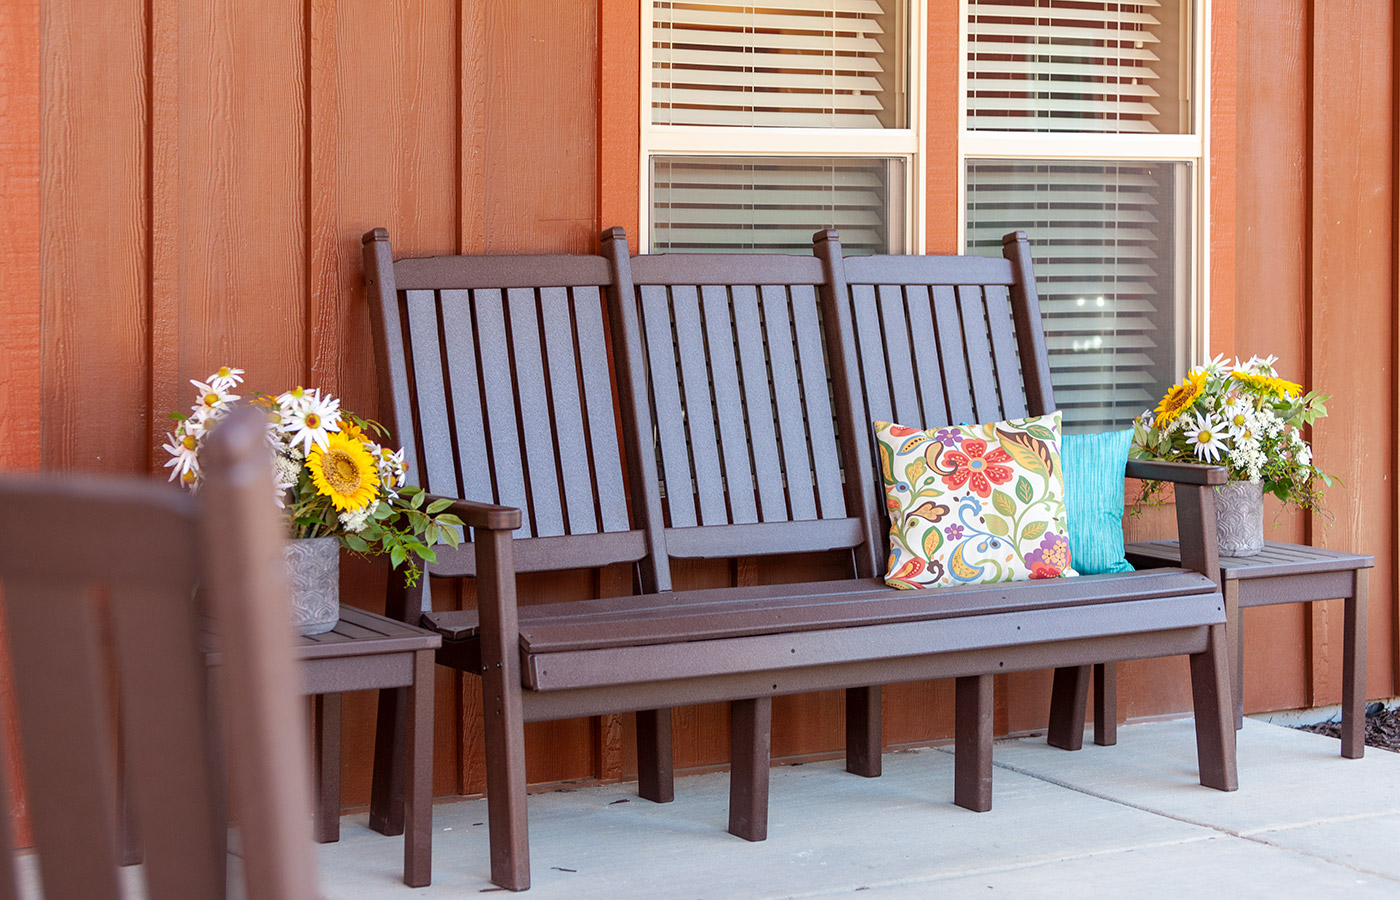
[{"x": 975, "y": 467}]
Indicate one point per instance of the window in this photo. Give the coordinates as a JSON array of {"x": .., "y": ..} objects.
[
  {"x": 1083, "y": 128},
  {"x": 766, "y": 122}
]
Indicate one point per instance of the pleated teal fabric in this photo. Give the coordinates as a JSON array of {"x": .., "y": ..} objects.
[{"x": 1094, "y": 466}]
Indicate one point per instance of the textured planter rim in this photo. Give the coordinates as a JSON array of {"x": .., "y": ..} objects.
[{"x": 313, "y": 572}]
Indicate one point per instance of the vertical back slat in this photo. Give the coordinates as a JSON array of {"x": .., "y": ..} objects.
[
  {"x": 927, "y": 369},
  {"x": 439, "y": 473},
  {"x": 1030, "y": 330},
  {"x": 473, "y": 464},
  {"x": 870, "y": 347},
  {"x": 791, "y": 431},
  {"x": 904, "y": 393},
  {"x": 557, "y": 321},
  {"x": 699, "y": 409},
  {"x": 758, "y": 403},
  {"x": 166, "y": 733},
  {"x": 60, "y": 703},
  {"x": 956, "y": 386},
  {"x": 541, "y": 467},
  {"x": 1008, "y": 370},
  {"x": 501, "y": 415},
  {"x": 724, "y": 369},
  {"x": 666, "y": 400},
  {"x": 598, "y": 399},
  {"x": 979, "y": 352},
  {"x": 821, "y": 431}
]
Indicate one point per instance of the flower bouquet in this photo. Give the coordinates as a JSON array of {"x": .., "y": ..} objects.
[
  {"x": 332, "y": 478},
  {"x": 1242, "y": 416}
]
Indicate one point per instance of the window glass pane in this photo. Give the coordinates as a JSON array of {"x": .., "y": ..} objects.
[
  {"x": 1071, "y": 65},
  {"x": 783, "y": 63},
  {"x": 1111, "y": 243},
  {"x": 773, "y": 204}
]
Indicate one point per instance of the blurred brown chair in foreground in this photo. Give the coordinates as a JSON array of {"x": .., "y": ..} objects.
[{"x": 98, "y": 576}]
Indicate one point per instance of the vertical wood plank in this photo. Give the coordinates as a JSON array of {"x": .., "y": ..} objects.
[
  {"x": 865, "y": 317},
  {"x": 321, "y": 124},
  {"x": 567, "y": 417},
  {"x": 602, "y": 421},
  {"x": 797, "y": 466},
  {"x": 1012, "y": 404},
  {"x": 163, "y": 179},
  {"x": 758, "y": 402},
  {"x": 942, "y": 104},
  {"x": 472, "y": 59},
  {"x": 1352, "y": 307},
  {"x": 501, "y": 415},
  {"x": 956, "y": 385},
  {"x": 619, "y": 126},
  {"x": 93, "y": 238},
  {"x": 541, "y": 469},
  {"x": 724, "y": 374},
  {"x": 699, "y": 407},
  {"x": 934, "y": 405},
  {"x": 468, "y": 414},
  {"x": 979, "y": 353},
  {"x": 666, "y": 400},
  {"x": 894, "y": 318},
  {"x": 816, "y": 392},
  {"x": 421, "y": 314}
]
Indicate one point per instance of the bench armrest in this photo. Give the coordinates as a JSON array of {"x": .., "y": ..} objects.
[
  {"x": 1176, "y": 472},
  {"x": 488, "y": 516}
]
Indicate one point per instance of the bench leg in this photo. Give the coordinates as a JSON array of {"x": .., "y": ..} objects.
[
  {"x": 864, "y": 739},
  {"x": 325, "y": 775},
  {"x": 418, "y": 775},
  {"x": 748, "y": 769},
  {"x": 656, "y": 774},
  {"x": 1068, "y": 698},
  {"x": 386, "y": 785},
  {"x": 1234, "y": 637},
  {"x": 1354, "y": 668},
  {"x": 503, "y": 712},
  {"x": 1214, "y": 706},
  {"x": 1106, "y": 704},
  {"x": 972, "y": 757}
]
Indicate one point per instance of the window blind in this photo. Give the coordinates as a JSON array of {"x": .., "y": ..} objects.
[
  {"x": 774, "y": 204},
  {"x": 1110, "y": 246},
  {"x": 1072, "y": 65},
  {"x": 781, "y": 63}
]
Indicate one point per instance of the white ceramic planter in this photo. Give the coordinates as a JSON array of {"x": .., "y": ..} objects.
[
  {"x": 313, "y": 567},
  {"x": 1239, "y": 518}
]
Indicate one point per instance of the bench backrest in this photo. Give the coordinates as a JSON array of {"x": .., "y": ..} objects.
[
  {"x": 750, "y": 432},
  {"x": 496, "y": 370},
  {"x": 940, "y": 340}
]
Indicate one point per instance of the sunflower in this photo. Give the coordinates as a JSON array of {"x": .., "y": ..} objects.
[
  {"x": 344, "y": 471},
  {"x": 1269, "y": 384},
  {"x": 1180, "y": 398}
]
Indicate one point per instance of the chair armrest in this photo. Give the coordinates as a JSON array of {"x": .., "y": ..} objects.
[
  {"x": 487, "y": 516},
  {"x": 1176, "y": 472}
]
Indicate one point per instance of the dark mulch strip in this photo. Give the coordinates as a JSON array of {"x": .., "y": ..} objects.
[{"x": 1382, "y": 728}]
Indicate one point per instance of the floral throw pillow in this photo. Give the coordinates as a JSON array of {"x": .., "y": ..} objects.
[{"x": 974, "y": 503}]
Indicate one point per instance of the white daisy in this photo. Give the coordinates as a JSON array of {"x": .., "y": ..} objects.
[
  {"x": 226, "y": 378},
  {"x": 183, "y": 447},
  {"x": 1238, "y": 418},
  {"x": 1217, "y": 366},
  {"x": 312, "y": 421},
  {"x": 213, "y": 400},
  {"x": 295, "y": 399},
  {"x": 1205, "y": 434}
]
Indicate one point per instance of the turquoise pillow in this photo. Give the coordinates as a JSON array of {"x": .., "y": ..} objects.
[{"x": 1094, "y": 467}]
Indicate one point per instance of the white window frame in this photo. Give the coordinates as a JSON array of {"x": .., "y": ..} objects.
[
  {"x": 908, "y": 144},
  {"x": 1194, "y": 148}
]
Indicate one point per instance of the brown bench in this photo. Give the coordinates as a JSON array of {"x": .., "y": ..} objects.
[{"x": 745, "y": 389}]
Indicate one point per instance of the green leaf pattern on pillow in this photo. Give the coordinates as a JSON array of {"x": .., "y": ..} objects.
[{"x": 974, "y": 503}]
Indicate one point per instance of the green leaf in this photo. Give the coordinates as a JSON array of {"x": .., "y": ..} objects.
[
  {"x": 428, "y": 554},
  {"x": 450, "y": 519},
  {"x": 356, "y": 542},
  {"x": 417, "y": 501},
  {"x": 1032, "y": 531},
  {"x": 438, "y": 506},
  {"x": 1002, "y": 503},
  {"x": 1024, "y": 491},
  {"x": 933, "y": 539},
  {"x": 998, "y": 526},
  {"x": 397, "y": 556}
]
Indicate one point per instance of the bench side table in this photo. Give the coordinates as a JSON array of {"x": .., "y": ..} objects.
[{"x": 1283, "y": 573}]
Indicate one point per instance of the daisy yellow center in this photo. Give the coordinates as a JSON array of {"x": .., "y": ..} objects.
[
  {"x": 210, "y": 399},
  {"x": 1205, "y": 436},
  {"x": 224, "y": 372},
  {"x": 188, "y": 477},
  {"x": 345, "y": 472},
  {"x": 188, "y": 442},
  {"x": 313, "y": 420},
  {"x": 1238, "y": 419},
  {"x": 1180, "y": 398}
]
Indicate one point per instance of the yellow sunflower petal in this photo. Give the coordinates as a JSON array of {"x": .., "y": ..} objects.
[{"x": 345, "y": 472}]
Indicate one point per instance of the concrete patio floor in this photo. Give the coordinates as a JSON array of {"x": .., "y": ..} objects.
[{"x": 1128, "y": 820}]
